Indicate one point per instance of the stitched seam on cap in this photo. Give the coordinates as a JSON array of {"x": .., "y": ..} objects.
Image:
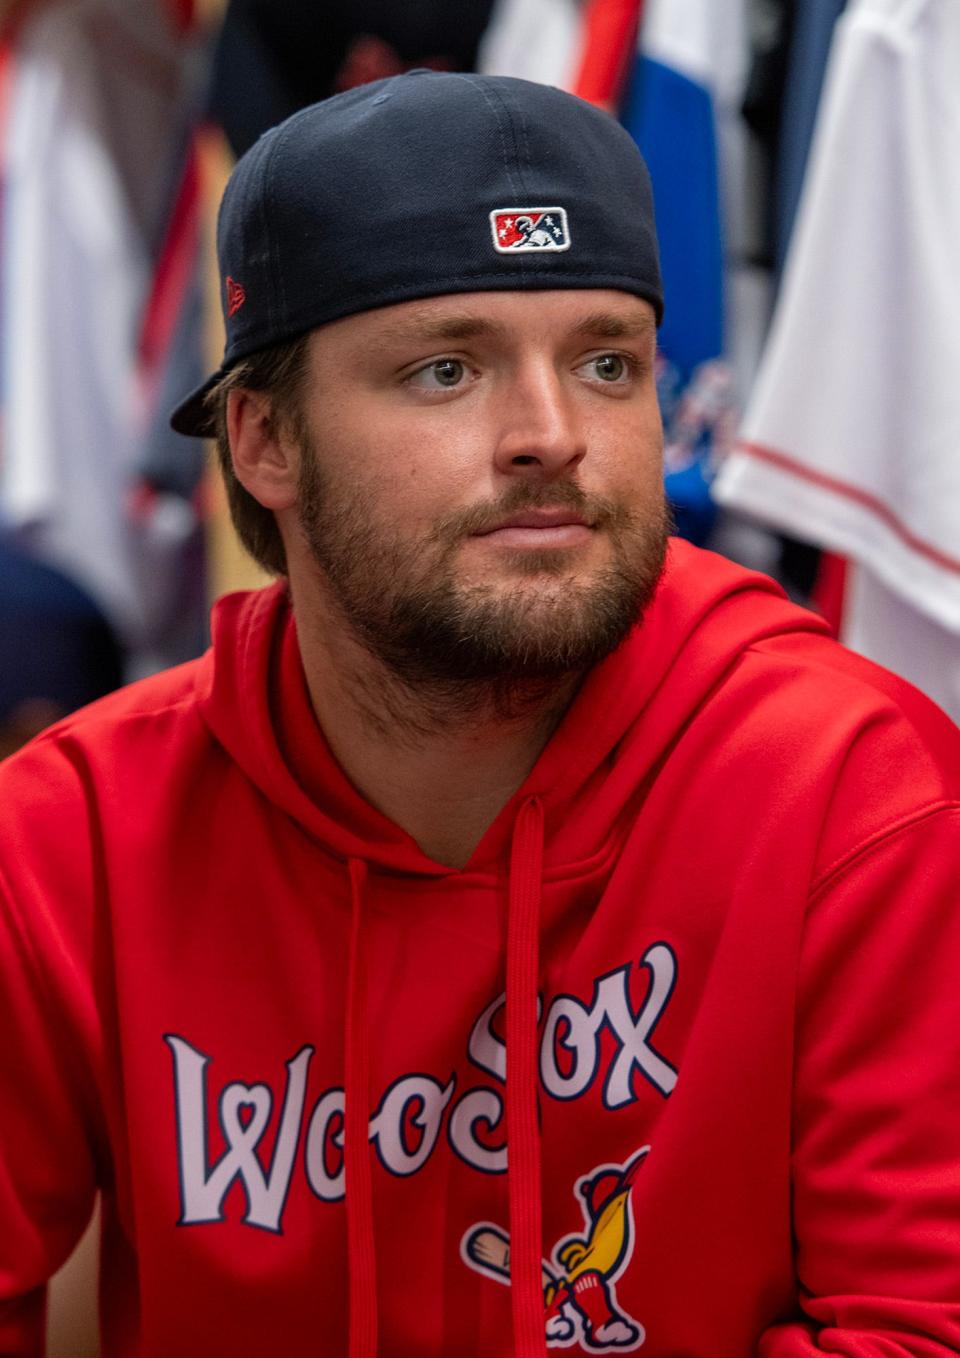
[
  {"x": 523, "y": 159},
  {"x": 525, "y": 141},
  {"x": 516, "y": 136},
  {"x": 501, "y": 114},
  {"x": 265, "y": 223},
  {"x": 276, "y": 273},
  {"x": 485, "y": 94}
]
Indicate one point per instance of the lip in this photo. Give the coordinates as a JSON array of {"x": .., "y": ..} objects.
[
  {"x": 538, "y": 519},
  {"x": 539, "y": 530}
]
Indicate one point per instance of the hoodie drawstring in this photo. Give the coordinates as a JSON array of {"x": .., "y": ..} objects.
[
  {"x": 361, "y": 1253},
  {"x": 523, "y": 1082}
]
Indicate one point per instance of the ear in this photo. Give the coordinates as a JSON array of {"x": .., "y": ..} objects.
[{"x": 265, "y": 463}]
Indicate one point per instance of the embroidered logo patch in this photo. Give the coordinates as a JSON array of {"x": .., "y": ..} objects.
[
  {"x": 519, "y": 229},
  {"x": 236, "y": 296},
  {"x": 580, "y": 1303}
]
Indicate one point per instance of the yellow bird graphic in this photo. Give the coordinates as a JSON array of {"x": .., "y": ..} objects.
[{"x": 605, "y": 1198}]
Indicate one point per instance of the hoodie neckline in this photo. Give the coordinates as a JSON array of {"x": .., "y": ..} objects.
[{"x": 253, "y": 695}]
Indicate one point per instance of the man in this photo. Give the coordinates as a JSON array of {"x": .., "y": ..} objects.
[{"x": 513, "y": 935}]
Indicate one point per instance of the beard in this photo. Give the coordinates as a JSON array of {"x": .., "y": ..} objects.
[{"x": 406, "y": 605}]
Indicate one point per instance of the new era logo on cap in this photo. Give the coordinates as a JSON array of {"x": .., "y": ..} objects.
[
  {"x": 236, "y": 295},
  {"x": 519, "y": 229}
]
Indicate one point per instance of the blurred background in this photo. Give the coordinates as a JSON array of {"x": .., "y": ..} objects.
[
  {"x": 808, "y": 202},
  {"x": 803, "y": 155}
]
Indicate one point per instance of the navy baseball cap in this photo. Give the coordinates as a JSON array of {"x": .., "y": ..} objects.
[{"x": 419, "y": 185}]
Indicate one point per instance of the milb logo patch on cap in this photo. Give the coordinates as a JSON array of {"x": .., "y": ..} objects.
[{"x": 519, "y": 229}]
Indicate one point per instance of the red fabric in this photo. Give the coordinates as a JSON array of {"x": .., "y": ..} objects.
[
  {"x": 15, "y": 14},
  {"x": 608, "y": 47},
  {"x": 526, "y": 869},
  {"x": 171, "y": 278},
  {"x": 829, "y": 590},
  {"x": 360, "y": 1244},
  {"x": 748, "y": 949},
  {"x": 6, "y": 74},
  {"x": 182, "y": 12}
]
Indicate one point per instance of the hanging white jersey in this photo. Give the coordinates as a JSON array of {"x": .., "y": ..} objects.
[
  {"x": 852, "y": 436},
  {"x": 884, "y": 627},
  {"x": 533, "y": 40}
]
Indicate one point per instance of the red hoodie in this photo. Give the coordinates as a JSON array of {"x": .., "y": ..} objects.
[{"x": 724, "y": 905}]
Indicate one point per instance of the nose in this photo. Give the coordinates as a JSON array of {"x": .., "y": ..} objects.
[{"x": 540, "y": 429}]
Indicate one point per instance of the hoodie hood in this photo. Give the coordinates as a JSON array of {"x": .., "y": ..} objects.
[{"x": 629, "y": 711}]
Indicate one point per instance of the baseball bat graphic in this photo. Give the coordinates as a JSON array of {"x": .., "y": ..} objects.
[{"x": 490, "y": 1249}]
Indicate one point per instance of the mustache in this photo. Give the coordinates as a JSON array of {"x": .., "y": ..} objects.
[{"x": 596, "y": 510}]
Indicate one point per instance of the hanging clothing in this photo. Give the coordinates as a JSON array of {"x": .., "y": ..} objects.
[
  {"x": 850, "y": 438},
  {"x": 608, "y": 47},
  {"x": 95, "y": 117},
  {"x": 533, "y": 40},
  {"x": 682, "y": 107},
  {"x": 880, "y": 624},
  {"x": 689, "y": 1012},
  {"x": 670, "y": 111},
  {"x": 809, "y": 49}
]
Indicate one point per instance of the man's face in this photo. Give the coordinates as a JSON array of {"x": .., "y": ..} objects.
[{"x": 481, "y": 492}]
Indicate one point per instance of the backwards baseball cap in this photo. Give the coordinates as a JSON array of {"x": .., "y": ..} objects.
[{"x": 419, "y": 185}]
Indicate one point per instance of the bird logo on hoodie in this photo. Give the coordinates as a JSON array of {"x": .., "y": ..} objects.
[{"x": 579, "y": 1282}]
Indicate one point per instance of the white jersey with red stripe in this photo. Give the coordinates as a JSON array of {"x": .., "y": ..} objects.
[{"x": 850, "y": 439}]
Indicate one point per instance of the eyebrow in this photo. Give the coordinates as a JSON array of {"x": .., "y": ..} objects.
[
  {"x": 442, "y": 328},
  {"x": 613, "y": 325},
  {"x": 463, "y": 325}
]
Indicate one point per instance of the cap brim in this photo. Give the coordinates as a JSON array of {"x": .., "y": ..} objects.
[{"x": 191, "y": 416}]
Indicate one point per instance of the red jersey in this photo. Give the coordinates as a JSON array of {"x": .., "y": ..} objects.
[{"x": 670, "y": 1066}]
